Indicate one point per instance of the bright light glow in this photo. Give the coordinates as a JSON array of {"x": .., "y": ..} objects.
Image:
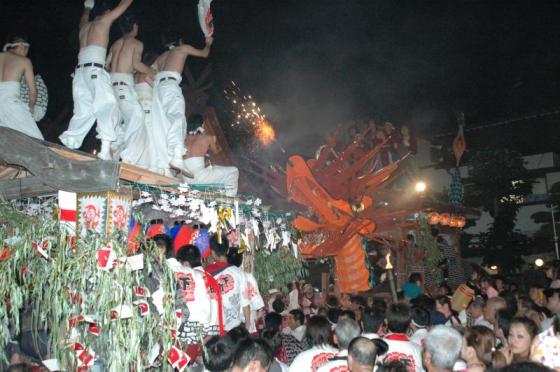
[
  {"x": 420, "y": 186},
  {"x": 494, "y": 267},
  {"x": 388, "y": 265},
  {"x": 539, "y": 262}
]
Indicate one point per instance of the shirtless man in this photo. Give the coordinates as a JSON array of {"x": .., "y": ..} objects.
[
  {"x": 168, "y": 109},
  {"x": 93, "y": 95},
  {"x": 198, "y": 145},
  {"x": 125, "y": 58},
  {"x": 14, "y": 65}
]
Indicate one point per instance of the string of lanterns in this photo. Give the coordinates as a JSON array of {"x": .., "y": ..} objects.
[{"x": 446, "y": 219}]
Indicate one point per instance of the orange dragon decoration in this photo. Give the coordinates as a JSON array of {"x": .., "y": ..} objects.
[{"x": 347, "y": 198}]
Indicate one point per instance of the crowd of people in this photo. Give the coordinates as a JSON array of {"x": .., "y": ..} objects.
[{"x": 134, "y": 100}]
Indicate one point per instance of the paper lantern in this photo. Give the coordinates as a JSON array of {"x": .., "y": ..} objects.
[
  {"x": 453, "y": 221},
  {"x": 433, "y": 218},
  {"x": 461, "y": 222},
  {"x": 444, "y": 219}
]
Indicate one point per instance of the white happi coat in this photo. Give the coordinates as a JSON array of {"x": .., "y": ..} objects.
[
  {"x": 339, "y": 363},
  {"x": 233, "y": 284},
  {"x": 14, "y": 113},
  {"x": 403, "y": 350},
  {"x": 310, "y": 360},
  {"x": 194, "y": 299},
  {"x": 94, "y": 100},
  {"x": 168, "y": 111},
  {"x": 256, "y": 301},
  {"x": 214, "y": 174},
  {"x": 131, "y": 132}
]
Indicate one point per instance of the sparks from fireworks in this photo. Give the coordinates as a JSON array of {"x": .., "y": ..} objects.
[{"x": 249, "y": 116}]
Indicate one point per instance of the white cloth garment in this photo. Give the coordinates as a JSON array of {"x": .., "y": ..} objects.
[
  {"x": 310, "y": 360},
  {"x": 233, "y": 285},
  {"x": 256, "y": 301},
  {"x": 338, "y": 364},
  {"x": 403, "y": 350},
  {"x": 131, "y": 132},
  {"x": 213, "y": 174},
  {"x": 14, "y": 113},
  {"x": 168, "y": 110},
  {"x": 153, "y": 130},
  {"x": 94, "y": 100}
]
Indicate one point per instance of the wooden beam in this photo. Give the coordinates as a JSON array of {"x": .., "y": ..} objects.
[{"x": 27, "y": 187}]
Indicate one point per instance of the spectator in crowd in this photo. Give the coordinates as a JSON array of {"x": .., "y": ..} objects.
[
  {"x": 552, "y": 296},
  {"x": 400, "y": 347},
  {"x": 296, "y": 324},
  {"x": 318, "y": 335},
  {"x": 443, "y": 305},
  {"x": 522, "y": 331},
  {"x": 552, "y": 272},
  {"x": 490, "y": 309},
  {"x": 345, "y": 331},
  {"x": 219, "y": 354},
  {"x": 253, "y": 355},
  {"x": 413, "y": 288},
  {"x": 364, "y": 353},
  {"x": 475, "y": 311},
  {"x": 418, "y": 325},
  {"x": 487, "y": 287},
  {"x": 442, "y": 348},
  {"x": 285, "y": 347},
  {"x": 479, "y": 349},
  {"x": 372, "y": 322}
]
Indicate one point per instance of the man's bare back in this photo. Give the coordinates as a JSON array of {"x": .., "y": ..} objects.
[
  {"x": 199, "y": 144},
  {"x": 96, "y": 32},
  {"x": 174, "y": 59},
  {"x": 15, "y": 66}
]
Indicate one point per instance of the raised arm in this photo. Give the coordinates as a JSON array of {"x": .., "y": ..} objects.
[
  {"x": 117, "y": 11},
  {"x": 203, "y": 53},
  {"x": 30, "y": 80}
]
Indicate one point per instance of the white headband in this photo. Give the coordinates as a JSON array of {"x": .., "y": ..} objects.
[
  {"x": 199, "y": 130},
  {"x": 13, "y": 45}
]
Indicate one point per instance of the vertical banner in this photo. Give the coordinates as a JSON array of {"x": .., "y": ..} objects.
[
  {"x": 205, "y": 17},
  {"x": 67, "y": 212}
]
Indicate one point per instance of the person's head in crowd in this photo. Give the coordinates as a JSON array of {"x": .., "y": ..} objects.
[
  {"x": 443, "y": 305},
  {"x": 511, "y": 301},
  {"x": 501, "y": 325},
  {"x": 253, "y": 355},
  {"x": 157, "y": 233},
  {"x": 346, "y": 301},
  {"x": 323, "y": 311},
  {"x": 347, "y": 314},
  {"x": 389, "y": 128},
  {"x": 393, "y": 366},
  {"x": 128, "y": 24},
  {"x": 552, "y": 270},
  {"x": 219, "y": 248},
  {"x": 552, "y": 300},
  {"x": 424, "y": 301},
  {"x": 444, "y": 289},
  {"x": 379, "y": 304},
  {"x": 513, "y": 287},
  {"x": 522, "y": 367},
  {"x": 318, "y": 331},
  {"x": 308, "y": 291},
  {"x": 345, "y": 331},
  {"x": 273, "y": 338},
  {"x": 380, "y": 135},
  {"x": 363, "y": 353},
  {"x": 442, "y": 348},
  {"x": 479, "y": 348},
  {"x": 332, "y": 301},
  {"x": 278, "y": 305},
  {"x": 333, "y": 314},
  {"x": 273, "y": 321},
  {"x": 189, "y": 256},
  {"x": 373, "y": 320},
  {"x": 415, "y": 278},
  {"x": 358, "y": 304},
  {"x": 234, "y": 258},
  {"x": 536, "y": 293},
  {"x": 218, "y": 353},
  {"x": 524, "y": 305},
  {"x": 398, "y": 318},
  {"x": 500, "y": 283},
  {"x": 492, "y": 306},
  {"x": 296, "y": 319},
  {"x": 522, "y": 331},
  {"x": 100, "y": 9},
  {"x": 485, "y": 282},
  {"x": 405, "y": 130},
  {"x": 420, "y": 318},
  {"x": 476, "y": 308},
  {"x": 238, "y": 334}
]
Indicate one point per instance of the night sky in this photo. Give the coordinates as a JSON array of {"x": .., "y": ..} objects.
[{"x": 316, "y": 64}]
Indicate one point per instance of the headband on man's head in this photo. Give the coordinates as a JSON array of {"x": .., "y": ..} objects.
[
  {"x": 14, "y": 45},
  {"x": 199, "y": 130}
]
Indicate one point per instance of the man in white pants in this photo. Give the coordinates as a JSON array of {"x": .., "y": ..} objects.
[
  {"x": 168, "y": 107},
  {"x": 198, "y": 145},
  {"x": 125, "y": 57},
  {"x": 14, "y": 65},
  {"x": 93, "y": 95}
]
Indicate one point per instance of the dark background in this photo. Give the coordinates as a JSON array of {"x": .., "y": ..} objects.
[{"x": 316, "y": 64}]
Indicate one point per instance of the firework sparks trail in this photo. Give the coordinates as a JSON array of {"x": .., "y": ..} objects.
[{"x": 249, "y": 116}]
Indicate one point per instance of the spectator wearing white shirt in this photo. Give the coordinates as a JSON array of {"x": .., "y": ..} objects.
[
  {"x": 345, "y": 331},
  {"x": 318, "y": 334},
  {"x": 363, "y": 353},
  {"x": 401, "y": 349},
  {"x": 418, "y": 325},
  {"x": 296, "y": 321},
  {"x": 373, "y": 320}
]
